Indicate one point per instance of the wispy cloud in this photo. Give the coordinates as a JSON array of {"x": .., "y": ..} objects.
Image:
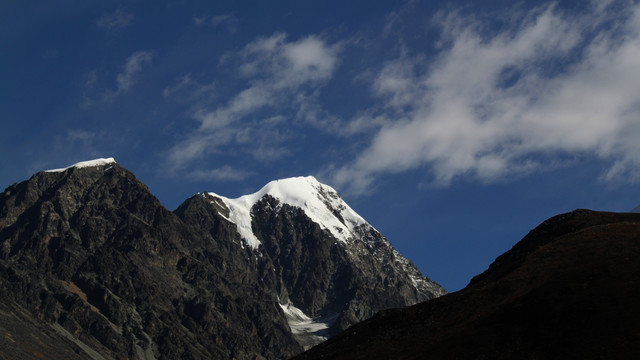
[
  {"x": 508, "y": 102},
  {"x": 84, "y": 136},
  {"x": 275, "y": 71},
  {"x": 226, "y": 21},
  {"x": 186, "y": 89},
  {"x": 124, "y": 80},
  {"x": 116, "y": 20},
  {"x": 127, "y": 78},
  {"x": 224, "y": 173},
  {"x": 199, "y": 20},
  {"x": 90, "y": 79}
]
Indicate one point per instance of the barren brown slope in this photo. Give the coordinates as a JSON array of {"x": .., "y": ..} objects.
[{"x": 569, "y": 289}]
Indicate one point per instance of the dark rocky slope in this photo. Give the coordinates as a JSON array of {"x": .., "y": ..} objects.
[
  {"x": 91, "y": 252},
  {"x": 92, "y": 266},
  {"x": 342, "y": 283},
  {"x": 568, "y": 290}
]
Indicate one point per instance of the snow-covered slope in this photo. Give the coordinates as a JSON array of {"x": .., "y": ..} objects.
[
  {"x": 90, "y": 163},
  {"x": 329, "y": 268},
  {"x": 320, "y": 202}
]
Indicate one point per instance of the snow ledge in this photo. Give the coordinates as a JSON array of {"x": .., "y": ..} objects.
[{"x": 89, "y": 163}]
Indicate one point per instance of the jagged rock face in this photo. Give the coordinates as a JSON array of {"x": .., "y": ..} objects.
[
  {"x": 568, "y": 290},
  {"x": 92, "y": 252},
  {"x": 340, "y": 277},
  {"x": 338, "y": 282},
  {"x": 323, "y": 276},
  {"x": 92, "y": 264}
]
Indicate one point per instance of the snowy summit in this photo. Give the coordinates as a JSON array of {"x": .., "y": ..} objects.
[
  {"x": 320, "y": 202},
  {"x": 89, "y": 163}
]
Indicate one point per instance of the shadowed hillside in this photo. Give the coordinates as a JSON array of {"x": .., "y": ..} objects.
[{"x": 568, "y": 290}]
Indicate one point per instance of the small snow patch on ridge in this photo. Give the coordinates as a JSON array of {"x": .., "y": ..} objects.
[
  {"x": 240, "y": 214},
  {"x": 90, "y": 163}
]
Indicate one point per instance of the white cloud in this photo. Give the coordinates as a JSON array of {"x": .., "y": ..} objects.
[
  {"x": 276, "y": 71},
  {"x": 127, "y": 78},
  {"x": 505, "y": 103},
  {"x": 289, "y": 64},
  {"x": 116, "y": 20}
]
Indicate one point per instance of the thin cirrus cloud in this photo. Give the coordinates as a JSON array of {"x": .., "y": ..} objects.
[
  {"x": 187, "y": 89},
  {"x": 116, "y": 20},
  {"x": 223, "y": 173},
  {"x": 227, "y": 21},
  {"x": 510, "y": 102},
  {"x": 275, "y": 70},
  {"x": 124, "y": 80},
  {"x": 127, "y": 78}
]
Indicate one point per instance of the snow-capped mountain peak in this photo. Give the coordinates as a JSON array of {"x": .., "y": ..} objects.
[
  {"x": 320, "y": 202},
  {"x": 307, "y": 251}
]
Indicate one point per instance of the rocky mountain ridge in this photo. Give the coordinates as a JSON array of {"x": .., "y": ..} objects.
[{"x": 92, "y": 264}]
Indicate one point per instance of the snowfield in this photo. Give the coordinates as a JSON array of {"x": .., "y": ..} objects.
[{"x": 320, "y": 203}]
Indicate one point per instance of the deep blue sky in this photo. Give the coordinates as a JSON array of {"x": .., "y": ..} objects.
[{"x": 453, "y": 127}]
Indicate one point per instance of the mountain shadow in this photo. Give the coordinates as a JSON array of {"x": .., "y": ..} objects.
[{"x": 568, "y": 290}]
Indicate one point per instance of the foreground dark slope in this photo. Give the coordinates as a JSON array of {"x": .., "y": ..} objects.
[{"x": 570, "y": 289}]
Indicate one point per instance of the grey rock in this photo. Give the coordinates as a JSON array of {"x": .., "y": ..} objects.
[
  {"x": 93, "y": 265},
  {"x": 92, "y": 251}
]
